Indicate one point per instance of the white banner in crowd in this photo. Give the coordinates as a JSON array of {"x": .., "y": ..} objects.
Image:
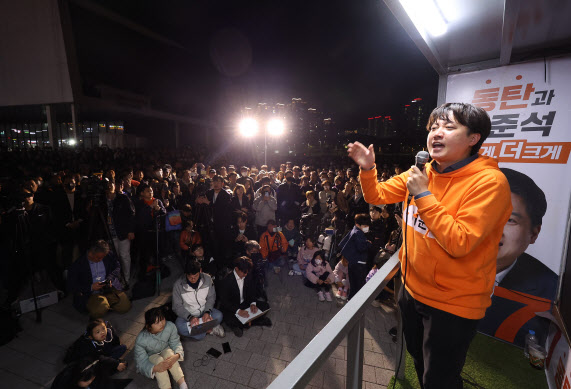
[{"x": 529, "y": 105}]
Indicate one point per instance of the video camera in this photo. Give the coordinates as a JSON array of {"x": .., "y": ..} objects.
[{"x": 94, "y": 188}]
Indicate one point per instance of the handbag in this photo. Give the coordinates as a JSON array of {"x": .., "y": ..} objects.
[{"x": 173, "y": 221}]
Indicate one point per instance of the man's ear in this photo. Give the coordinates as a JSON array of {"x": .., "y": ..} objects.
[
  {"x": 535, "y": 233},
  {"x": 474, "y": 138}
]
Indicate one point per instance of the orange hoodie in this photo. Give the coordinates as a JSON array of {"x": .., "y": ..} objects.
[{"x": 453, "y": 234}]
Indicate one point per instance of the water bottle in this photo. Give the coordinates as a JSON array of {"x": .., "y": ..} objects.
[{"x": 529, "y": 339}]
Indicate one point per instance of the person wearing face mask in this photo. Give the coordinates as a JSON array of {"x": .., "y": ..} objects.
[
  {"x": 265, "y": 206},
  {"x": 320, "y": 276},
  {"x": 273, "y": 246},
  {"x": 355, "y": 246},
  {"x": 289, "y": 198}
]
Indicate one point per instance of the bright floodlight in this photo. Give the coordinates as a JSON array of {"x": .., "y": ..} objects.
[
  {"x": 276, "y": 127},
  {"x": 426, "y": 16},
  {"x": 248, "y": 127},
  {"x": 72, "y": 142}
]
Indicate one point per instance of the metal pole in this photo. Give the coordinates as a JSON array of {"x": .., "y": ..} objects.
[{"x": 355, "y": 351}]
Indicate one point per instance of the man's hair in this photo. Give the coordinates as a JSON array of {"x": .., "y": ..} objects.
[
  {"x": 251, "y": 244},
  {"x": 232, "y": 174},
  {"x": 241, "y": 216},
  {"x": 288, "y": 172},
  {"x": 153, "y": 315},
  {"x": 99, "y": 246},
  {"x": 475, "y": 118},
  {"x": 244, "y": 264},
  {"x": 272, "y": 222},
  {"x": 192, "y": 267},
  {"x": 218, "y": 178},
  {"x": 362, "y": 219},
  {"x": 531, "y": 194}
]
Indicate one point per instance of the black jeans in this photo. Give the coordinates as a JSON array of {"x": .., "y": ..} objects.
[
  {"x": 437, "y": 341},
  {"x": 357, "y": 276}
]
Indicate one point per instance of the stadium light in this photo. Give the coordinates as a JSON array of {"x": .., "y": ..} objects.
[
  {"x": 248, "y": 127},
  {"x": 72, "y": 142},
  {"x": 276, "y": 127}
]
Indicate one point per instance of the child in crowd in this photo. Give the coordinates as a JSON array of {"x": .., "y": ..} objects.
[
  {"x": 206, "y": 261},
  {"x": 341, "y": 274},
  {"x": 99, "y": 340},
  {"x": 305, "y": 255},
  {"x": 293, "y": 237},
  {"x": 188, "y": 238},
  {"x": 320, "y": 276},
  {"x": 158, "y": 350}
]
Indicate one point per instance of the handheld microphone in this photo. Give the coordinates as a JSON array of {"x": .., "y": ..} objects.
[{"x": 421, "y": 159}]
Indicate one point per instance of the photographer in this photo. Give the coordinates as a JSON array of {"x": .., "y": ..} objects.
[{"x": 94, "y": 280}]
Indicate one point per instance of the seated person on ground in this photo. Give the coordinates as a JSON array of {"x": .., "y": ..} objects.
[
  {"x": 293, "y": 237},
  {"x": 89, "y": 372},
  {"x": 188, "y": 238},
  {"x": 94, "y": 279},
  {"x": 237, "y": 293},
  {"x": 341, "y": 274},
  {"x": 206, "y": 261},
  {"x": 158, "y": 350},
  {"x": 273, "y": 246},
  {"x": 305, "y": 255},
  {"x": 193, "y": 298},
  {"x": 242, "y": 232},
  {"x": 258, "y": 269},
  {"x": 320, "y": 276},
  {"x": 99, "y": 340}
]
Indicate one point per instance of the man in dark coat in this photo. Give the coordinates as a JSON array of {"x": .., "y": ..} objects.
[
  {"x": 237, "y": 294},
  {"x": 289, "y": 198}
]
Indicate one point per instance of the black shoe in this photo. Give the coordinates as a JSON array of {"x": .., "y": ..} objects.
[
  {"x": 238, "y": 331},
  {"x": 393, "y": 331}
]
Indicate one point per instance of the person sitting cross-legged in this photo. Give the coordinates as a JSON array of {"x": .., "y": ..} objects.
[
  {"x": 237, "y": 294},
  {"x": 193, "y": 298},
  {"x": 94, "y": 280}
]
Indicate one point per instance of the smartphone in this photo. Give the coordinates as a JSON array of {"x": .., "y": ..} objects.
[
  {"x": 226, "y": 347},
  {"x": 213, "y": 352}
]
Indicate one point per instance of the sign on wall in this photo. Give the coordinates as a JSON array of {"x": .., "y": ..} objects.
[{"x": 529, "y": 106}]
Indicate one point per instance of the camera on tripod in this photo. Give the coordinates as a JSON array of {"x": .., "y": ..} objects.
[{"x": 94, "y": 189}]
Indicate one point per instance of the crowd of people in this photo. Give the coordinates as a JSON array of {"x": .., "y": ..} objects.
[{"x": 97, "y": 225}]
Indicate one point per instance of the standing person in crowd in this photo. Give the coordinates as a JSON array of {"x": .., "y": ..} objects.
[
  {"x": 219, "y": 201},
  {"x": 238, "y": 293},
  {"x": 355, "y": 247},
  {"x": 288, "y": 199},
  {"x": 94, "y": 281},
  {"x": 326, "y": 196},
  {"x": 310, "y": 206},
  {"x": 158, "y": 350},
  {"x": 320, "y": 276},
  {"x": 148, "y": 212},
  {"x": 357, "y": 204},
  {"x": 273, "y": 246},
  {"x": 240, "y": 202},
  {"x": 461, "y": 205},
  {"x": 70, "y": 213},
  {"x": 193, "y": 298},
  {"x": 231, "y": 181},
  {"x": 265, "y": 206},
  {"x": 241, "y": 233},
  {"x": 119, "y": 214}
]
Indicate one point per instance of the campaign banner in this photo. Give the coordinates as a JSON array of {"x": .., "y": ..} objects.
[
  {"x": 530, "y": 112},
  {"x": 558, "y": 360}
]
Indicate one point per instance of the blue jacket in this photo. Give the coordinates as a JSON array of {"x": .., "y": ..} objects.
[
  {"x": 354, "y": 246},
  {"x": 79, "y": 278}
]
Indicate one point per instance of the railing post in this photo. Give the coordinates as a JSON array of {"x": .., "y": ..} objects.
[{"x": 355, "y": 352}]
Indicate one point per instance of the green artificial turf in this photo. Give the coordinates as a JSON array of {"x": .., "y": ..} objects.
[{"x": 491, "y": 364}]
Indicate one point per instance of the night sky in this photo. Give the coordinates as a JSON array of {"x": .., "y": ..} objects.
[{"x": 352, "y": 60}]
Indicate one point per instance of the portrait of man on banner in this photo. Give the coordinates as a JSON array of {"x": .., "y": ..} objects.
[{"x": 524, "y": 285}]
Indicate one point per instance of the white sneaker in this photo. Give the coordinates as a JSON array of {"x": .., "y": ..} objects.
[
  {"x": 320, "y": 295},
  {"x": 218, "y": 331},
  {"x": 328, "y": 296},
  {"x": 290, "y": 273}
]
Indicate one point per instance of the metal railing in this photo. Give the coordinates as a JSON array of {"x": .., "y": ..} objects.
[{"x": 350, "y": 322}]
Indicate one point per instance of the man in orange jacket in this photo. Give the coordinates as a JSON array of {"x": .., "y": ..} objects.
[
  {"x": 273, "y": 246},
  {"x": 454, "y": 219}
]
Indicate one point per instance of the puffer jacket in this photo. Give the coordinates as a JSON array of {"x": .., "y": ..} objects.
[
  {"x": 314, "y": 272},
  {"x": 148, "y": 344}
]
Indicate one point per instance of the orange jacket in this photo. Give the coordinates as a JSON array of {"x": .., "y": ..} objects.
[
  {"x": 269, "y": 243},
  {"x": 187, "y": 239},
  {"x": 453, "y": 234}
]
